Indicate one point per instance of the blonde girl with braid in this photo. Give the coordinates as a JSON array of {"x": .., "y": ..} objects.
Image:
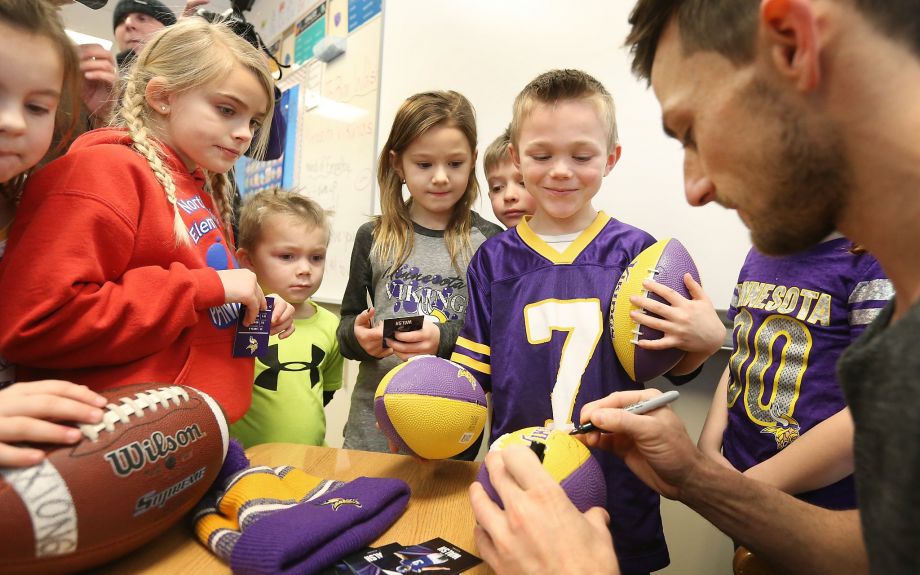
[
  {"x": 412, "y": 259},
  {"x": 120, "y": 266}
]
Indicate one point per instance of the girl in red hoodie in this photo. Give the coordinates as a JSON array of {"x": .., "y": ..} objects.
[{"x": 120, "y": 265}]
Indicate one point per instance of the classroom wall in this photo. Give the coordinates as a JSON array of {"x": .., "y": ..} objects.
[{"x": 488, "y": 50}]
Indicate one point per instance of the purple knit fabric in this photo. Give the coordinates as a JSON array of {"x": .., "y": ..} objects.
[
  {"x": 311, "y": 536},
  {"x": 235, "y": 460}
]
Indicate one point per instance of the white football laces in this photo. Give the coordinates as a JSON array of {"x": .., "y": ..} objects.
[{"x": 150, "y": 399}]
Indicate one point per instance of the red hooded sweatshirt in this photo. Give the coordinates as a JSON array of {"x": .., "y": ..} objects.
[{"x": 96, "y": 290}]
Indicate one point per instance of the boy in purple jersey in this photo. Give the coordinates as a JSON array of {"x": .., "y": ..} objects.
[
  {"x": 535, "y": 333},
  {"x": 794, "y": 316}
]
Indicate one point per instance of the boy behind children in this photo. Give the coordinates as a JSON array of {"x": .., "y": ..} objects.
[
  {"x": 283, "y": 239},
  {"x": 510, "y": 199},
  {"x": 536, "y": 334}
]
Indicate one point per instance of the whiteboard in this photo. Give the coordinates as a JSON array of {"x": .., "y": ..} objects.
[
  {"x": 489, "y": 49},
  {"x": 336, "y": 135}
]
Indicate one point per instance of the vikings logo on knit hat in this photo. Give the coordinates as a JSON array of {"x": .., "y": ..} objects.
[{"x": 153, "y": 8}]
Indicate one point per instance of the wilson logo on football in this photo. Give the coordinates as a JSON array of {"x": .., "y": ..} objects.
[{"x": 137, "y": 454}]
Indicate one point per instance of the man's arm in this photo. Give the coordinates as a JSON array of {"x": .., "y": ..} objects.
[{"x": 794, "y": 535}]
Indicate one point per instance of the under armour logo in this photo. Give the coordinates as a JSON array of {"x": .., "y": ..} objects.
[
  {"x": 337, "y": 502},
  {"x": 268, "y": 379}
]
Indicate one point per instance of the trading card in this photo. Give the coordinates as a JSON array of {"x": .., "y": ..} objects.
[
  {"x": 364, "y": 562},
  {"x": 394, "y": 324},
  {"x": 435, "y": 556},
  {"x": 252, "y": 340}
]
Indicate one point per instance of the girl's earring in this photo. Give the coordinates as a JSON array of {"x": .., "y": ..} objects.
[{"x": 163, "y": 108}]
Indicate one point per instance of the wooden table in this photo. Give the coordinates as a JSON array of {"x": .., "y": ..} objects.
[{"x": 438, "y": 507}]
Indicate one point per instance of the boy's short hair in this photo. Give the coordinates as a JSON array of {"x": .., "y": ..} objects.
[
  {"x": 497, "y": 152},
  {"x": 258, "y": 207},
  {"x": 555, "y": 85}
]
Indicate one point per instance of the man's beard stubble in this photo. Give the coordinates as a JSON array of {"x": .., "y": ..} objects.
[{"x": 808, "y": 178}]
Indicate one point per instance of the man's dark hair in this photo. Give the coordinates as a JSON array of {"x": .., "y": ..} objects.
[
  {"x": 899, "y": 19},
  {"x": 728, "y": 27},
  {"x": 724, "y": 26}
]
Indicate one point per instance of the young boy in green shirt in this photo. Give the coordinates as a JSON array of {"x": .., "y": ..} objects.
[{"x": 283, "y": 239}]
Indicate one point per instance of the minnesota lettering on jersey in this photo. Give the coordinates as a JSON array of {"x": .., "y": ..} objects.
[
  {"x": 429, "y": 294},
  {"x": 804, "y": 304}
]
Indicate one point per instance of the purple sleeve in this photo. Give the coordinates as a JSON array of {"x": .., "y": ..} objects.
[{"x": 473, "y": 345}]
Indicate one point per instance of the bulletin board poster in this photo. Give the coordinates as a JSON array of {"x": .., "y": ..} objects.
[
  {"x": 287, "y": 49},
  {"x": 337, "y": 18},
  {"x": 360, "y": 11},
  {"x": 309, "y": 30},
  {"x": 253, "y": 176},
  {"x": 271, "y": 19},
  {"x": 336, "y": 150}
]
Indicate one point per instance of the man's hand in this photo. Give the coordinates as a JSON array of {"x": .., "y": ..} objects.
[
  {"x": 655, "y": 446},
  {"x": 540, "y": 530},
  {"x": 191, "y": 7},
  {"x": 98, "y": 86}
]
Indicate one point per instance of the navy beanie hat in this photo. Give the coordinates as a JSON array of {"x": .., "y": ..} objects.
[{"x": 153, "y": 8}]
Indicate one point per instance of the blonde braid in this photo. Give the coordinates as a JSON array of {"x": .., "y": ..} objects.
[
  {"x": 132, "y": 112},
  {"x": 221, "y": 189}
]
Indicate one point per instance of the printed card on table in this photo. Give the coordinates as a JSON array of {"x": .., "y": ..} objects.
[{"x": 436, "y": 556}]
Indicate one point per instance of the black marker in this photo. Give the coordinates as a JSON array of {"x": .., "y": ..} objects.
[{"x": 637, "y": 408}]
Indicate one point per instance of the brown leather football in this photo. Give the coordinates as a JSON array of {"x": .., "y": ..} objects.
[{"x": 130, "y": 478}]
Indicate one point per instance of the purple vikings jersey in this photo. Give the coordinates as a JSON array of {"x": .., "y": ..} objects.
[
  {"x": 536, "y": 335},
  {"x": 793, "y": 317}
]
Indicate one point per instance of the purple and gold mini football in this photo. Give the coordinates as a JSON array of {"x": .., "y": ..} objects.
[
  {"x": 566, "y": 459},
  {"x": 666, "y": 262},
  {"x": 430, "y": 407}
]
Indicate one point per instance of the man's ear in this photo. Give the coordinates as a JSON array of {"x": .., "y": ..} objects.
[
  {"x": 791, "y": 33},
  {"x": 613, "y": 158},
  {"x": 157, "y": 96},
  {"x": 242, "y": 256},
  {"x": 515, "y": 157}
]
